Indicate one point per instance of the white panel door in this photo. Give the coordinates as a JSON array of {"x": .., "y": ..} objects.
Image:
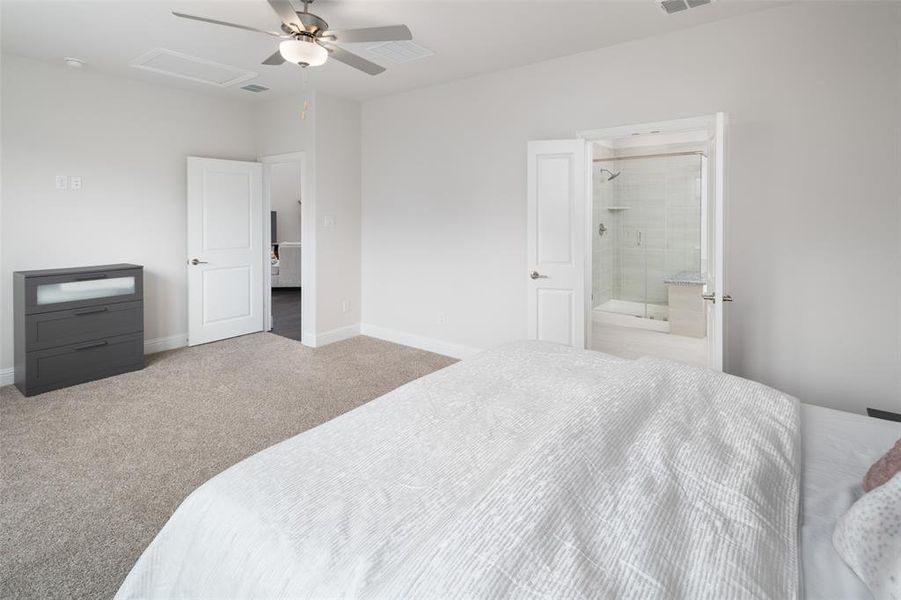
[
  {"x": 225, "y": 249},
  {"x": 558, "y": 202}
]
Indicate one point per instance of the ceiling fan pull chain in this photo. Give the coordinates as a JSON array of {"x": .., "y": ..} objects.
[{"x": 306, "y": 95}]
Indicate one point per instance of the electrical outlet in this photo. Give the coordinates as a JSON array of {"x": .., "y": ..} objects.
[
  {"x": 442, "y": 318},
  {"x": 62, "y": 182},
  {"x": 345, "y": 305},
  {"x": 75, "y": 183}
]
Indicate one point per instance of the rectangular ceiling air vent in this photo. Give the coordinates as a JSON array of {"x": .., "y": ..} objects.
[
  {"x": 184, "y": 66},
  {"x": 674, "y": 6},
  {"x": 256, "y": 89},
  {"x": 400, "y": 52}
]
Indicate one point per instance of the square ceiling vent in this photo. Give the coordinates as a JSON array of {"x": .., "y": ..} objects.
[
  {"x": 184, "y": 66},
  {"x": 400, "y": 52},
  {"x": 673, "y": 6}
]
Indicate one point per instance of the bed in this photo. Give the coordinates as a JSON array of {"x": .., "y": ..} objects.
[
  {"x": 838, "y": 448},
  {"x": 534, "y": 470}
]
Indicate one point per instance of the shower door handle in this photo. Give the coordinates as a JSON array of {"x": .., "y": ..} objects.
[{"x": 537, "y": 275}]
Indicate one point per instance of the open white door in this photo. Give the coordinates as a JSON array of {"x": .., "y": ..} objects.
[
  {"x": 558, "y": 199},
  {"x": 225, "y": 249}
]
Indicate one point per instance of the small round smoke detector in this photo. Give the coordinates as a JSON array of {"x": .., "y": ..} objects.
[{"x": 73, "y": 62}]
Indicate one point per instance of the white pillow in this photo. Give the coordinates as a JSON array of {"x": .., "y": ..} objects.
[{"x": 868, "y": 538}]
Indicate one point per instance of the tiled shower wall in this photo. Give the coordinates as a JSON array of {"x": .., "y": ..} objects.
[
  {"x": 603, "y": 247},
  {"x": 660, "y": 201}
]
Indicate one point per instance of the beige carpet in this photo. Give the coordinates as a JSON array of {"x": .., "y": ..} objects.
[{"x": 91, "y": 473}]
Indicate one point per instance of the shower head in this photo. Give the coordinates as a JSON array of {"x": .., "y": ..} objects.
[{"x": 610, "y": 174}]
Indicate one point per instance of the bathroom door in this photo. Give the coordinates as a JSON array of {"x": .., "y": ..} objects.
[{"x": 558, "y": 226}]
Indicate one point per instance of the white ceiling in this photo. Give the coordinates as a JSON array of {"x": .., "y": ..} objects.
[{"x": 468, "y": 37}]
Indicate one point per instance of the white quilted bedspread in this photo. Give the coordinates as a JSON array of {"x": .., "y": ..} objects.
[{"x": 532, "y": 471}]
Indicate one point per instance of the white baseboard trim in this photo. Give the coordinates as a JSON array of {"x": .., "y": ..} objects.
[
  {"x": 417, "y": 341},
  {"x": 316, "y": 340},
  {"x": 165, "y": 343},
  {"x": 7, "y": 376}
]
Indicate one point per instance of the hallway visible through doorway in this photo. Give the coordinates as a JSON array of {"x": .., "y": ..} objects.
[{"x": 286, "y": 312}]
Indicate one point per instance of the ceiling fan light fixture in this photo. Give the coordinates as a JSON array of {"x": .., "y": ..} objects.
[
  {"x": 308, "y": 41},
  {"x": 303, "y": 52}
]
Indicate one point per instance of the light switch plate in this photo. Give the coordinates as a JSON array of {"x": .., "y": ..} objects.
[
  {"x": 62, "y": 182},
  {"x": 75, "y": 183}
]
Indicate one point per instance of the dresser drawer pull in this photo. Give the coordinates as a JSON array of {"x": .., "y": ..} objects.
[
  {"x": 91, "y": 311},
  {"x": 91, "y": 277},
  {"x": 90, "y": 345}
]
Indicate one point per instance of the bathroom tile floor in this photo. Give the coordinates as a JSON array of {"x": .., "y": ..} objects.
[{"x": 630, "y": 342}]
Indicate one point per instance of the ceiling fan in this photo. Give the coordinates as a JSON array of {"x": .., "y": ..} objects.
[{"x": 308, "y": 42}]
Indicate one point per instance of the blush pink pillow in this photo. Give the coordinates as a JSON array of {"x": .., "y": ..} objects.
[{"x": 884, "y": 468}]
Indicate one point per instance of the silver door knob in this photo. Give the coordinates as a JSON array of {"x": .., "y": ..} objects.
[
  {"x": 537, "y": 275},
  {"x": 727, "y": 298},
  {"x": 710, "y": 297},
  {"x": 195, "y": 261}
]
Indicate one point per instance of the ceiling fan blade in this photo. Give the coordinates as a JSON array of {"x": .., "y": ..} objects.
[
  {"x": 353, "y": 60},
  {"x": 235, "y": 25},
  {"x": 275, "y": 59},
  {"x": 285, "y": 11},
  {"x": 388, "y": 33}
]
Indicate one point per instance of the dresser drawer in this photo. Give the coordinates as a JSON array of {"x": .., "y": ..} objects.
[
  {"x": 61, "y": 292},
  {"x": 64, "y": 327},
  {"x": 77, "y": 363}
]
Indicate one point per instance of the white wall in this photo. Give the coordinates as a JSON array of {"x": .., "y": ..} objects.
[
  {"x": 283, "y": 127},
  {"x": 128, "y": 141},
  {"x": 330, "y": 136},
  {"x": 338, "y": 203},
  {"x": 814, "y": 98},
  {"x": 284, "y": 194}
]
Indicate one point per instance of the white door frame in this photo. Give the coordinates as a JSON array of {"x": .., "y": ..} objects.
[
  {"x": 715, "y": 126},
  {"x": 719, "y": 224},
  {"x": 308, "y": 245}
]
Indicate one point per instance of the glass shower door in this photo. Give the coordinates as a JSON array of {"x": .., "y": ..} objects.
[{"x": 644, "y": 192}]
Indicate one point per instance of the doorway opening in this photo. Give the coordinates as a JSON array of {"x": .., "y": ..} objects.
[
  {"x": 647, "y": 282},
  {"x": 285, "y": 290},
  {"x": 655, "y": 244}
]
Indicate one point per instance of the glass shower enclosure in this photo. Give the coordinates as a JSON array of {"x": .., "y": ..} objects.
[{"x": 647, "y": 232}]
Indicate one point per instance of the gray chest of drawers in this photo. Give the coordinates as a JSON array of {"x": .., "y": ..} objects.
[{"x": 77, "y": 325}]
